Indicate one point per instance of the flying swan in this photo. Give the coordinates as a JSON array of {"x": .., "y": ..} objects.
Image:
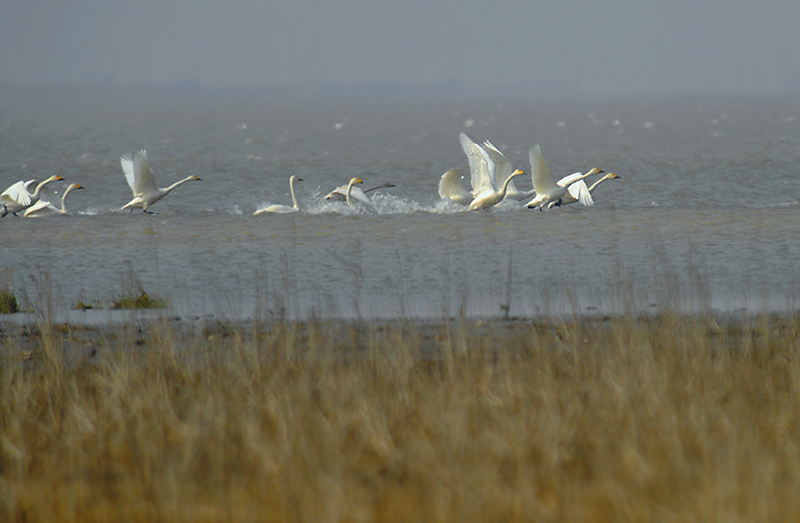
[
  {"x": 568, "y": 198},
  {"x": 340, "y": 193},
  {"x": 45, "y": 208},
  {"x": 277, "y": 208},
  {"x": 17, "y": 198},
  {"x": 483, "y": 176},
  {"x": 143, "y": 184},
  {"x": 548, "y": 190}
]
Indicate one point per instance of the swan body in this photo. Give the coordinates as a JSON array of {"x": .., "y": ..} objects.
[
  {"x": 503, "y": 170},
  {"x": 17, "y": 197},
  {"x": 486, "y": 200},
  {"x": 284, "y": 208},
  {"x": 549, "y": 190},
  {"x": 45, "y": 208},
  {"x": 568, "y": 198},
  {"x": 142, "y": 182},
  {"x": 340, "y": 193},
  {"x": 451, "y": 188},
  {"x": 483, "y": 176}
]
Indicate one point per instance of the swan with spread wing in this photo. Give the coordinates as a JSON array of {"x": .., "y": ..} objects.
[
  {"x": 17, "y": 197},
  {"x": 142, "y": 182},
  {"x": 548, "y": 190}
]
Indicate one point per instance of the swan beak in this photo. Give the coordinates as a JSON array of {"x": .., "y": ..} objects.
[
  {"x": 58, "y": 178},
  {"x": 615, "y": 175},
  {"x": 600, "y": 171},
  {"x": 198, "y": 178},
  {"x": 78, "y": 186},
  {"x": 358, "y": 180},
  {"x": 299, "y": 179}
]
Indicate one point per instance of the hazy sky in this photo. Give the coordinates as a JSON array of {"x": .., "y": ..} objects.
[{"x": 611, "y": 46}]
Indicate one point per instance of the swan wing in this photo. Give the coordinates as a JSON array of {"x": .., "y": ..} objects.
[
  {"x": 502, "y": 165},
  {"x": 39, "y": 208},
  {"x": 580, "y": 192},
  {"x": 127, "y": 169},
  {"x": 143, "y": 180},
  {"x": 487, "y": 183},
  {"x": 570, "y": 179},
  {"x": 340, "y": 193},
  {"x": 541, "y": 175},
  {"x": 474, "y": 159},
  {"x": 478, "y": 167},
  {"x": 17, "y": 193},
  {"x": 450, "y": 186},
  {"x": 384, "y": 185}
]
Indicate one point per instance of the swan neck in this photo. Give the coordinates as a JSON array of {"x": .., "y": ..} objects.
[
  {"x": 64, "y": 199},
  {"x": 35, "y": 194},
  {"x": 505, "y": 186},
  {"x": 595, "y": 184},
  {"x": 347, "y": 196},
  {"x": 291, "y": 190},
  {"x": 181, "y": 182}
]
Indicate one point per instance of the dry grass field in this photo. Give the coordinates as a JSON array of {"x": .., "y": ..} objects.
[{"x": 667, "y": 418}]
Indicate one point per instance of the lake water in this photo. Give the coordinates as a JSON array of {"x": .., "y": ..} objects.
[{"x": 704, "y": 216}]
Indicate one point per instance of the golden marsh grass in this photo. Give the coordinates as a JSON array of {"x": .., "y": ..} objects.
[{"x": 668, "y": 418}]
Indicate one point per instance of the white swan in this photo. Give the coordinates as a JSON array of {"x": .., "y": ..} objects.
[
  {"x": 503, "y": 170},
  {"x": 284, "y": 208},
  {"x": 568, "y": 198},
  {"x": 143, "y": 184},
  {"x": 340, "y": 193},
  {"x": 45, "y": 208},
  {"x": 451, "y": 188},
  {"x": 548, "y": 190},
  {"x": 17, "y": 198},
  {"x": 483, "y": 176}
]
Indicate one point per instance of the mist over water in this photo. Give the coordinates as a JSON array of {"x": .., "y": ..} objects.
[{"x": 705, "y": 215}]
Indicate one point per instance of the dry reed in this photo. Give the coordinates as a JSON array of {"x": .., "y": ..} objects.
[{"x": 668, "y": 418}]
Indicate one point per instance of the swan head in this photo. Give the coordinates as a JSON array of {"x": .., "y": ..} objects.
[
  {"x": 196, "y": 178},
  {"x": 595, "y": 170},
  {"x": 354, "y": 181},
  {"x": 612, "y": 175},
  {"x": 295, "y": 178},
  {"x": 518, "y": 172}
]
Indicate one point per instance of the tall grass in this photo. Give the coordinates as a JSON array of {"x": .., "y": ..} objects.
[{"x": 668, "y": 418}]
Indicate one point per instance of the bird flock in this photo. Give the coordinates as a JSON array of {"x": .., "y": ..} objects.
[{"x": 491, "y": 181}]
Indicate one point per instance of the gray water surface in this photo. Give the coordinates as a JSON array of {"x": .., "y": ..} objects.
[{"x": 705, "y": 215}]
